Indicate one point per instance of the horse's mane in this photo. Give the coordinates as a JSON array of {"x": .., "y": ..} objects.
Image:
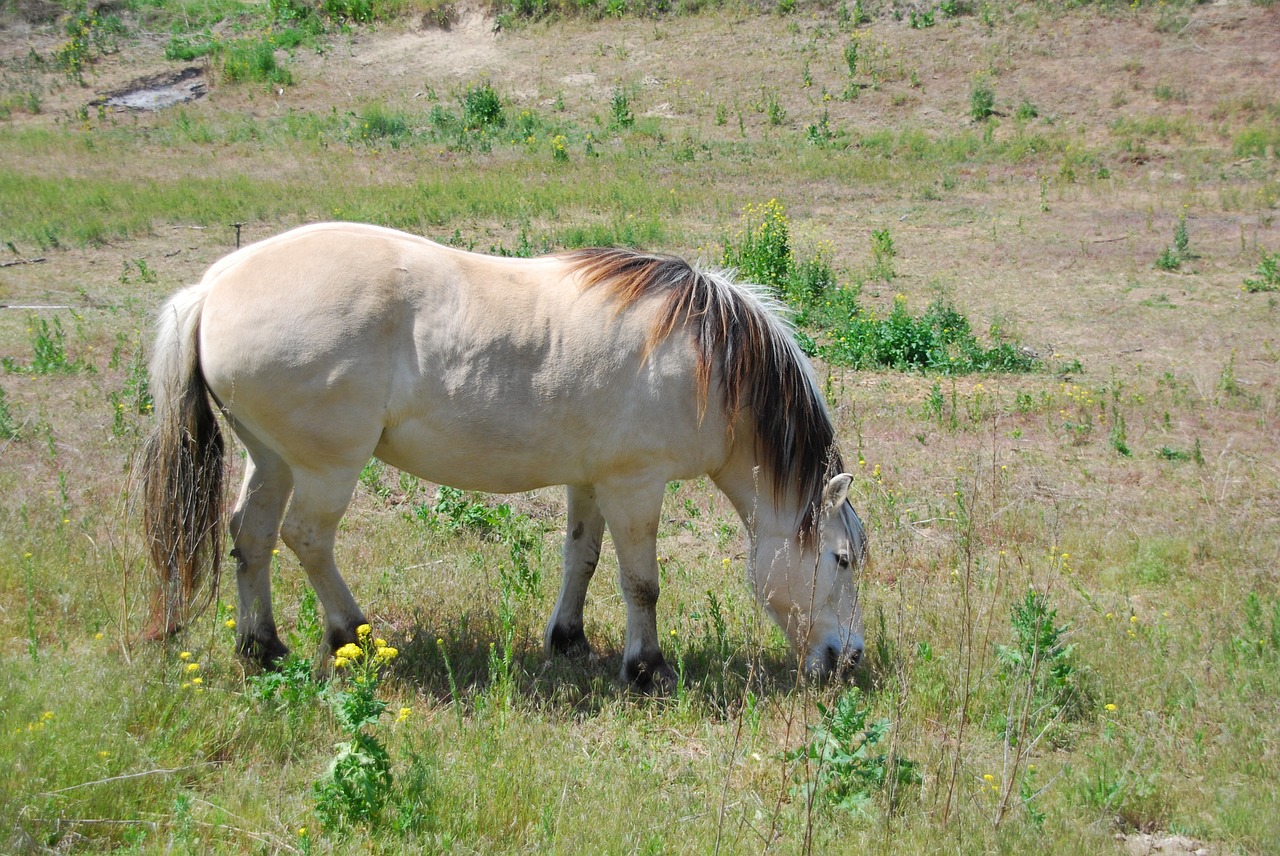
[{"x": 762, "y": 369}]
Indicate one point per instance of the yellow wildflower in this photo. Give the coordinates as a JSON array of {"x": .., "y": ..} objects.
[
  {"x": 230, "y": 624},
  {"x": 403, "y": 714},
  {"x": 351, "y": 651},
  {"x": 340, "y": 662},
  {"x": 197, "y": 681},
  {"x": 364, "y": 631},
  {"x": 193, "y": 667},
  {"x": 388, "y": 653},
  {"x": 1111, "y": 706},
  {"x": 185, "y": 655},
  {"x": 379, "y": 643}
]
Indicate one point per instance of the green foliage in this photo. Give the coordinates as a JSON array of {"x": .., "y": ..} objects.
[
  {"x": 133, "y": 399},
  {"x": 358, "y": 782},
  {"x": 940, "y": 340},
  {"x": 1171, "y": 258},
  {"x": 453, "y": 512},
  {"x": 920, "y": 19},
  {"x": 762, "y": 251},
  {"x": 251, "y": 60},
  {"x": 846, "y": 763},
  {"x": 289, "y": 688},
  {"x": 620, "y": 109},
  {"x": 378, "y": 125},
  {"x": 882, "y": 254},
  {"x": 8, "y": 425},
  {"x": 1267, "y": 273},
  {"x": 89, "y": 33},
  {"x": 982, "y": 100},
  {"x": 1040, "y": 658},
  {"x": 354, "y": 11},
  {"x": 482, "y": 108},
  {"x": 49, "y": 352}
]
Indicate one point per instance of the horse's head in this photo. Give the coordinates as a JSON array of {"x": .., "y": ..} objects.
[{"x": 810, "y": 588}]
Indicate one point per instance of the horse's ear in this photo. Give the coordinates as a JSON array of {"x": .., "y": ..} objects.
[{"x": 836, "y": 492}]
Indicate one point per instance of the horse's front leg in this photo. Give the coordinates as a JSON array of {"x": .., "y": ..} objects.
[
  {"x": 583, "y": 535},
  {"x": 632, "y": 514}
]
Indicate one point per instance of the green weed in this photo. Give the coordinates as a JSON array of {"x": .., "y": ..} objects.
[
  {"x": 252, "y": 60},
  {"x": 49, "y": 352},
  {"x": 1172, "y": 257},
  {"x": 358, "y": 782},
  {"x": 482, "y": 108},
  {"x": 844, "y": 762},
  {"x": 378, "y": 125},
  {"x": 620, "y": 109},
  {"x": 882, "y": 254},
  {"x": 1267, "y": 275},
  {"x": 982, "y": 101},
  {"x": 9, "y": 428}
]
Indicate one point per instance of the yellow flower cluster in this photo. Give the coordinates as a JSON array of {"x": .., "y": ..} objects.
[{"x": 354, "y": 652}]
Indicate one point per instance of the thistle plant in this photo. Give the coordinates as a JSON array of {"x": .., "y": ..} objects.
[{"x": 358, "y": 782}]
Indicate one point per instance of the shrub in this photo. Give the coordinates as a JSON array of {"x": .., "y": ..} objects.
[
  {"x": 482, "y": 108},
  {"x": 982, "y": 101},
  {"x": 1268, "y": 275},
  {"x": 253, "y": 61}
]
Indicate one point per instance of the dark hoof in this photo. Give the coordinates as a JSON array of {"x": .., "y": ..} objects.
[
  {"x": 568, "y": 642},
  {"x": 267, "y": 652},
  {"x": 650, "y": 676}
]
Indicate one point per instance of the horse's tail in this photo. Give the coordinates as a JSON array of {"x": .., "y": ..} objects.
[{"x": 182, "y": 470}]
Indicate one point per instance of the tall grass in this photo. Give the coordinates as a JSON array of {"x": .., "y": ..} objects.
[{"x": 1065, "y": 641}]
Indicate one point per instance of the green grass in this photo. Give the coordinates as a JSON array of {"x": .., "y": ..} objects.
[{"x": 1073, "y": 621}]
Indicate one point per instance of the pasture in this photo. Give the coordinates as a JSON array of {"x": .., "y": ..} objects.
[{"x": 1072, "y": 495}]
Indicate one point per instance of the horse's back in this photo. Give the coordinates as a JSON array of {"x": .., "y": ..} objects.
[{"x": 334, "y": 342}]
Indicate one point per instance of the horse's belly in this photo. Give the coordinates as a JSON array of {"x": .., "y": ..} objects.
[{"x": 519, "y": 457}]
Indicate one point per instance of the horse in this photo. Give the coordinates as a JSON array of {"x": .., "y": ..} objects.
[{"x": 609, "y": 371}]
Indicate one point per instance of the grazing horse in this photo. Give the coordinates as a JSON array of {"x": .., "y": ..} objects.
[{"x": 609, "y": 371}]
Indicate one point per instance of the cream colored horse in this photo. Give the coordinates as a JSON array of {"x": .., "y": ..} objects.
[{"x": 609, "y": 371}]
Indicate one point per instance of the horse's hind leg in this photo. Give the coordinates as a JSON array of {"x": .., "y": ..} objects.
[
  {"x": 310, "y": 528},
  {"x": 255, "y": 528},
  {"x": 585, "y": 529}
]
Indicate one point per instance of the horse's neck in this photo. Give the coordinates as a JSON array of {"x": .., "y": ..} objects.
[{"x": 749, "y": 487}]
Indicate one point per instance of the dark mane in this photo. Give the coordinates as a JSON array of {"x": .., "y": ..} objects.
[{"x": 762, "y": 368}]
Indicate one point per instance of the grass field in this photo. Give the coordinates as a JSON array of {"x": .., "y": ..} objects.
[{"x": 1073, "y": 603}]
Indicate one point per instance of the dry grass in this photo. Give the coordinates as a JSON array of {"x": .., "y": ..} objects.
[{"x": 1162, "y": 563}]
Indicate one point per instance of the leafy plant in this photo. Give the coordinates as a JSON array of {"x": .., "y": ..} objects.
[
  {"x": 620, "y": 109},
  {"x": 252, "y": 60},
  {"x": 762, "y": 253},
  {"x": 882, "y": 254},
  {"x": 289, "y": 687},
  {"x": 982, "y": 101},
  {"x": 8, "y": 426},
  {"x": 482, "y": 108},
  {"x": 846, "y": 763},
  {"x": 378, "y": 125},
  {"x": 358, "y": 782},
  {"x": 1171, "y": 258},
  {"x": 49, "y": 352},
  {"x": 1040, "y": 658},
  {"x": 1267, "y": 273}
]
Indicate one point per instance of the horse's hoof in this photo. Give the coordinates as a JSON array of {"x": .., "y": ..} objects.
[
  {"x": 267, "y": 652},
  {"x": 568, "y": 642},
  {"x": 650, "y": 676}
]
